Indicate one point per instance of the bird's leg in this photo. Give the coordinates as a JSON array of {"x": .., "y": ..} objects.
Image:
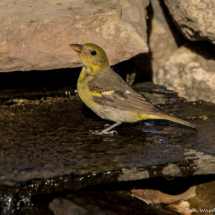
[{"x": 107, "y": 130}]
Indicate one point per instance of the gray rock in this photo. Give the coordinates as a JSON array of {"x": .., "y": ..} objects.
[
  {"x": 190, "y": 71},
  {"x": 195, "y": 19},
  {"x": 164, "y": 38},
  {"x": 35, "y": 35}
]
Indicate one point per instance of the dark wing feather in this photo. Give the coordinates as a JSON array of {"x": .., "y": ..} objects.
[{"x": 123, "y": 96}]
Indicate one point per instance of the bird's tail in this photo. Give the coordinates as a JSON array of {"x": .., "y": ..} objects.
[{"x": 175, "y": 119}]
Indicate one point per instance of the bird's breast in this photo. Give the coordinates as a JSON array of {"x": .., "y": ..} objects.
[{"x": 85, "y": 93}]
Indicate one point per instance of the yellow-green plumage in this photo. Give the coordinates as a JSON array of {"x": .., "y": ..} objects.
[{"x": 108, "y": 95}]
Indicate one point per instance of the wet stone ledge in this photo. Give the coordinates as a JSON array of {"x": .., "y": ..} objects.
[{"x": 46, "y": 146}]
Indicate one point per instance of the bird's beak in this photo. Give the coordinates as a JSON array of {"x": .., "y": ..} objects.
[{"x": 76, "y": 47}]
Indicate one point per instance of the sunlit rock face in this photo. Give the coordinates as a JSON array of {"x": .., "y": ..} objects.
[
  {"x": 190, "y": 71},
  {"x": 195, "y": 19},
  {"x": 184, "y": 65},
  {"x": 35, "y": 35}
]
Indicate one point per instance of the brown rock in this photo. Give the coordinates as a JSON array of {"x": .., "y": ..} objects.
[
  {"x": 194, "y": 18},
  {"x": 62, "y": 206},
  {"x": 190, "y": 71},
  {"x": 35, "y": 35},
  {"x": 150, "y": 196},
  {"x": 205, "y": 197}
]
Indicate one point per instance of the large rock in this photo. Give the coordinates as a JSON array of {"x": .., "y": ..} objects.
[
  {"x": 194, "y": 18},
  {"x": 35, "y": 35},
  {"x": 164, "y": 38},
  {"x": 190, "y": 71}
]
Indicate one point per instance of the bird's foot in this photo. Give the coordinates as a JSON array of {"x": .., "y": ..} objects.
[
  {"x": 76, "y": 92},
  {"x": 108, "y": 130},
  {"x": 104, "y": 132},
  {"x": 106, "y": 125}
]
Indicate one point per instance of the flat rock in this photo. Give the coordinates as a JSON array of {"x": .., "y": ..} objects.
[
  {"x": 45, "y": 138},
  {"x": 190, "y": 72},
  {"x": 194, "y": 18},
  {"x": 35, "y": 35}
]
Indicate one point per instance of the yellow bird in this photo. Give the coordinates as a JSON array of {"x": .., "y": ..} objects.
[{"x": 109, "y": 96}]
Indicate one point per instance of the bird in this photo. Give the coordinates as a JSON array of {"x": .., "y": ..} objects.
[{"x": 109, "y": 96}]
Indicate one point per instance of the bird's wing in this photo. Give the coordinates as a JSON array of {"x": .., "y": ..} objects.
[{"x": 115, "y": 92}]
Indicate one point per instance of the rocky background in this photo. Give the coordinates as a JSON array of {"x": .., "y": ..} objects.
[
  {"x": 160, "y": 36},
  {"x": 181, "y": 63}
]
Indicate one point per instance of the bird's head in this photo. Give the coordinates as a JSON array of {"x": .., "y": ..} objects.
[{"x": 91, "y": 56}]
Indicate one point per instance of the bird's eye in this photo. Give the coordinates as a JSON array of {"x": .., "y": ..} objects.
[{"x": 93, "y": 53}]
